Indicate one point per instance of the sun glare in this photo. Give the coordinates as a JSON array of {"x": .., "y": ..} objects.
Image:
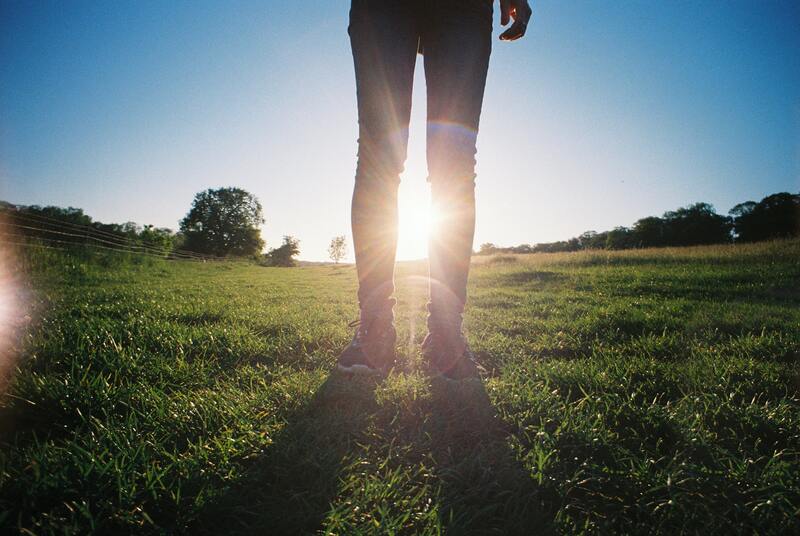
[
  {"x": 416, "y": 220},
  {"x": 12, "y": 315}
]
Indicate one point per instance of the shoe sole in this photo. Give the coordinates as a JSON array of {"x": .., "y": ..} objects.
[
  {"x": 457, "y": 380},
  {"x": 359, "y": 370}
]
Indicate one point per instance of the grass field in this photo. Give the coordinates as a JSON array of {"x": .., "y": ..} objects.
[{"x": 652, "y": 391}]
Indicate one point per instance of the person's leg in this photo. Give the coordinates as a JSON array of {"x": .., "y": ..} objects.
[
  {"x": 384, "y": 39},
  {"x": 457, "y": 43}
]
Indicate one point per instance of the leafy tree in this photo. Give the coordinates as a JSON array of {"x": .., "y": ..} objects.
[
  {"x": 649, "y": 232},
  {"x": 592, "y": 240},
  {"x": 157, "y": 237},
  {"x": 487, "y": 249},
  {"x": 338, "y": 248},
  {"x": 742, "y": 209},
  {"x": 619, "y": 238},
  {"x": 223, "y": 222},
  {"x": 696, "y": 225},
  {"x": 50, "y": 222},
  {"x": 283, "y": 255},
  {"x": 775, "y": 216},
  {"x": 70, "y": 215}
]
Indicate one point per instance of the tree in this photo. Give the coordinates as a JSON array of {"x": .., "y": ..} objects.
[
  {"x": 619, "y": 238},
  {"x": 338, "y": 248},
  {"x": 223, "y": 222},
  {"x": 695, "y": 225},
  {"x": 487, "y": 249},
  {"x": 157, "y": 237},
  {"x": 648, "y": 232},
  {"x": 48, "y": 223},
  {"x": 592, "y": 240},
  {"x": 69, "y": 215},
  {"x": 283, "y": 255},
  {"x": 775, "y": 216}
]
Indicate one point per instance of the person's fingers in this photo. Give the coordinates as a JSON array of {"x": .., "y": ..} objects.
[
  {"x": 524, "y": 11},
  {"x": 521, "y": 15},
  {"x": 516, "y": 31},
  {"x": 505, "y": 12}
]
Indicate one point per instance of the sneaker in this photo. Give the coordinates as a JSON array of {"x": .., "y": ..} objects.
[
  {"x": 372, "y": 349},
  {"x": 447, "y": 353}
]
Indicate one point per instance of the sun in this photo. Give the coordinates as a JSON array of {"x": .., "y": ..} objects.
[{"x": 416, "y": 220}]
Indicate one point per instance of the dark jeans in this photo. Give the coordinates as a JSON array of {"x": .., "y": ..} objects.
[{"x": 385, "y": 36}]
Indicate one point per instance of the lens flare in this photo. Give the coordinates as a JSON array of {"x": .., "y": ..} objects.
[
  {"x": 414, "y": 221},
  {"x": 13, "y": 315},
  {"x": 417, "y": 218}
]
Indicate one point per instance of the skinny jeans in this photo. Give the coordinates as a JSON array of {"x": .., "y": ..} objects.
[{"x": 454, "y": 38}]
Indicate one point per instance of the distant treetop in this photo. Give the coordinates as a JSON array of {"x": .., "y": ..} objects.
[{"x": 224, "y": 222}]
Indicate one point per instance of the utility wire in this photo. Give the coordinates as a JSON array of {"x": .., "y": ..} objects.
[{"x": 122, "y": 240}]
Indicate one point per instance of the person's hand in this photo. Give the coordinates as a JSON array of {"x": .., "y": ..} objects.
[{"x": 520, "y": 11}]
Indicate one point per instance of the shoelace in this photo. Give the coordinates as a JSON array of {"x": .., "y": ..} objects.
[
  {"x": 357, "y": 323},
  {"x": 363, "y": 328}
]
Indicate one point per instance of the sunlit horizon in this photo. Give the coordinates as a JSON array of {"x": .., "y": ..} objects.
[{"x": 127, "y": 111}]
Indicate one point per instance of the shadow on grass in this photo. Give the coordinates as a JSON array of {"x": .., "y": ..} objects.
[
  {"x": 485, "y": 488},
  {"x": 289, "y": 488}
]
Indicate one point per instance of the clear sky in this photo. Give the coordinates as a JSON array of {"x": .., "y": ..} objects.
[{"x": 604, "y": 113}]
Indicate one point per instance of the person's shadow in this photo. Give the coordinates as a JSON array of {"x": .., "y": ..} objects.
[
  {"x": 289, "y": 488},
  {"x": 292, "y": 486},
  {"x": 485, "y": 488}
]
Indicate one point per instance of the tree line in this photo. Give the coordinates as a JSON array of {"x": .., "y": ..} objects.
[
  {"x": 775, "y": 216},
  {"x": 71, "y": 226},
  {"x": 221, "y": 223},
  {"x": 225, "y": 222}
]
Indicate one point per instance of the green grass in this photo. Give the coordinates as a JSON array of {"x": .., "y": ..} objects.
[{"x": 652, "y": 391}]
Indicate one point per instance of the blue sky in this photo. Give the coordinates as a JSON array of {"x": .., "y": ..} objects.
[{"x": 606, "y": 112}]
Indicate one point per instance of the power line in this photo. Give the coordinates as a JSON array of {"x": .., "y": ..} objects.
[
  {"x": 142, "y": 248},
  {"x": 91, "y": 229},
  {"x": 61, "y": 223},
  {"x": 121, "y": 240},
  {"x": 117, "y": 250}
]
